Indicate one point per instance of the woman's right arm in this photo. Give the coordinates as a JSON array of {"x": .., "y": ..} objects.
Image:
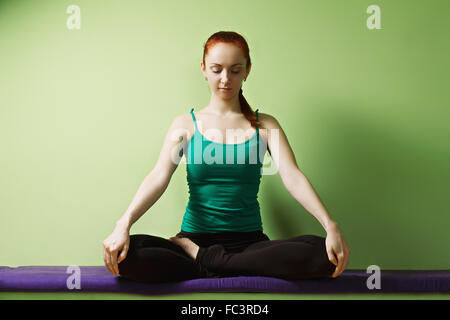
[{"x": 150, "y": 190}]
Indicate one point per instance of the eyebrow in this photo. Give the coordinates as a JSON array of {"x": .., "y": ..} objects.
[{"x": 221, "y": 65}]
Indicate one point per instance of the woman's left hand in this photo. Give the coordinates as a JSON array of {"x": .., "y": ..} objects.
[{"x": 337, "y": 249}]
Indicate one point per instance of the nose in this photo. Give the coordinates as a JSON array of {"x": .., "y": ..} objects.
[{"x": 224, "y": 77}]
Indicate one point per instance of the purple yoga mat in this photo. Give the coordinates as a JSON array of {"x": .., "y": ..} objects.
[{"x": 98, "y": 279}]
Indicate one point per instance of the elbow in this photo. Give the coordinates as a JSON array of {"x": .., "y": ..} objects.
[
  {"x": 293, "y": 179},
  {"x": 158, "y": 177},
  {"x": 162, "y": 174}
]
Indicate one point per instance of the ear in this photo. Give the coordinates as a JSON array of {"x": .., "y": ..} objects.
[{"x": 202, "y": 66}]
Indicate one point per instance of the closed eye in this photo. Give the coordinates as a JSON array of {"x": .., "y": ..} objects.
[{"x": 231, "y": 71}]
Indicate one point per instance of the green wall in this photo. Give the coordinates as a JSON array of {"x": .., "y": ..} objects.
[{"x": 83, "y": 114}]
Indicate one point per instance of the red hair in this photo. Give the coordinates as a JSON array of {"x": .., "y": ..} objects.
[{"x": 238, "y": 40}]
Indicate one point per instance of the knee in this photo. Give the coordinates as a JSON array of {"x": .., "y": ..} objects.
[
  {"x": 130, "y": 267},
  {"x": 321, "y": 264},
  {"x": 153, "y": 259},
  {"x": 315, "y": 263},
  {"x": 135, "y": 239}
]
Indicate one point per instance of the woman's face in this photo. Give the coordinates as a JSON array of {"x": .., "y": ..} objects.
[{"x": 225, "y": 68}]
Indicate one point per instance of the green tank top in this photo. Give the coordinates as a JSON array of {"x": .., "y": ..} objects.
[{"x": 223, "y": 182}]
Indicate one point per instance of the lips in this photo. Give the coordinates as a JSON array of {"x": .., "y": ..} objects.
[{"x": 225, "y": 88}]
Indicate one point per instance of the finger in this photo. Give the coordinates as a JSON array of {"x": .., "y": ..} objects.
[
  {"x": 333, "y": 260},
  {"x": 113, "y": 258},
  {"x": 114, "y": 262},
  {"x": 123, "y": 254},
  {"x": 338, "y": 270},
  {"x": 108, "y": 261},
  {"x": 105, "y": 259},
  {"x": 340, "y": 263},
  {"x": 332, "y": 257}
]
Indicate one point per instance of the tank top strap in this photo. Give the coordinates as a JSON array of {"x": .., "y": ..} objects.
[
  {"x": 257, "y": 134},
  {"x": 193, "y": 118}
]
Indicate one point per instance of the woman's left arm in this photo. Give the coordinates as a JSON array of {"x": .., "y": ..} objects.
[{"x": 301, "y": 189}]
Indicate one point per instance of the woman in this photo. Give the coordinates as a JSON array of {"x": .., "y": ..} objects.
[{"x": 221, "y": 233}]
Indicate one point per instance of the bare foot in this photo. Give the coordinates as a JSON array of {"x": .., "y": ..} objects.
[{"x": 190, "y": 247}]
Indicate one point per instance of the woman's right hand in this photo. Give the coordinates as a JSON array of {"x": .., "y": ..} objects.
[{"x": 117, "y": 241}]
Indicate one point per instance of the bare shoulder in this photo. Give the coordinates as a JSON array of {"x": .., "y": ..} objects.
[
  {"x": 268, "y": 121},
  {"x": 183, "y": 123},
  {"x": 182, "y": 119}
]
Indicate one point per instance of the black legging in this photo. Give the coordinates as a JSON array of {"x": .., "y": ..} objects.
[{"x": 155, "y": 259}]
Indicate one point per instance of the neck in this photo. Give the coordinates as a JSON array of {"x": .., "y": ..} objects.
[{"x": 219, "y": 106}]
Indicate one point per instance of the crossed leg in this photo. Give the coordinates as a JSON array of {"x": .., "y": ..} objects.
[
  {"x": 156, "y": 259},
  {"x": 301, "y": 257}
]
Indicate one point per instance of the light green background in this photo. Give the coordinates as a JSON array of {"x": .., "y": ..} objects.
[{"x": 83, "y": 114}]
